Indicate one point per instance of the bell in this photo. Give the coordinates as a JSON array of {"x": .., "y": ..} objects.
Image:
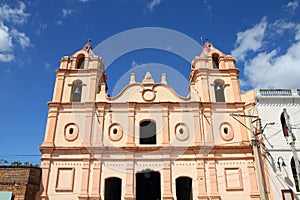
[{"x": 77, "y": 90}]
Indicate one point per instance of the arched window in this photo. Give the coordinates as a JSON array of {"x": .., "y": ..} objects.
[
  {"x": 113, "y": 189},
  {"x": 76, "y": 91},
  {"x": 219, "y": 90},
  {"x": 147, "y": 132},
  {"x": 215, "y": 59},
  {"x": 184, "y": 188},
  {"x": 80, "y": 61},
  {"x": 293, "y": 166}
]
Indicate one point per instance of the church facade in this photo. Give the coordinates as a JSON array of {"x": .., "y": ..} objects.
[{"x": 148, "y": 142}]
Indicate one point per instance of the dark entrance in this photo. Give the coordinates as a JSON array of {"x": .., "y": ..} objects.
[
  {"x": 184, "y": 188},
  {"x": 148, "y": 185},
  {"x": 113, "y": 187}
]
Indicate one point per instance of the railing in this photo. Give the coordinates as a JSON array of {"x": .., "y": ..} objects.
[{"x": 278, "y": 92}]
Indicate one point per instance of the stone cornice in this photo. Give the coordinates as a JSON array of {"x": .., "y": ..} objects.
[{"x": 154, "y": 150}]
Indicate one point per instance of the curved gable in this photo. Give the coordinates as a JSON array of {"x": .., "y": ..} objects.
[{"x": 141, "y": 93}]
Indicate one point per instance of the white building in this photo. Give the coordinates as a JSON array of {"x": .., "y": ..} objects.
[{"x": 279, "y": 156}]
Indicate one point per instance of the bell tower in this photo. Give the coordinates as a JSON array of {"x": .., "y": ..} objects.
[
  {"x": 215, "y": 76},
  {"x": 79, "y": 79}
]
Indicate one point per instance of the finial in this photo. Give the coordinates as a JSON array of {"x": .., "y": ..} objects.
[
  {"x": 87, "y": 47},
  {"x": 148, "y": 78}
]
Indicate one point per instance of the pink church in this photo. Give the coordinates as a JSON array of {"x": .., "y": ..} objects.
[{"x": 148, "y": 142}]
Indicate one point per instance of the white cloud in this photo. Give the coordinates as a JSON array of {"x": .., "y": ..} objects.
[
  {"x": 293, "y": 5},
  {"x": 8, "y": 36},
  {"x": 6, "y": 57},
  {"x": 279, "y": 26},
  {"x": 83, "y": 1},
  {"x": 250, "y": 40},
  {"x": 153, "y": 4},
  {"x": 274, "y": 70},
  {"x": 21, "y": 38},
  {"x": 5, "y": 39},
  {"x": 14, "y": 15},
  {"x": 67, "y": 12}
]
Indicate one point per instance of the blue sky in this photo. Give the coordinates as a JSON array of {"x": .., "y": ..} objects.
[{"x": 263, "y": 36}]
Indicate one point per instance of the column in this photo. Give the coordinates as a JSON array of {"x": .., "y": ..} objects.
[
  {"x": 50, "y": 127},
  {"x": 167, "y": 189},
  {"x": 129, "y": 190},
  {"x": 96, "y": 183},
  {"x": 83, "y": 195},
  {"x": 131, "y": 125},
  {"x": 214, "y": 193},
  {"x": 165, "y": 131},
  {"x": 202, "y": 188}
]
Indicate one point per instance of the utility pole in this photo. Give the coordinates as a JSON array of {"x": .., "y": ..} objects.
[
  {"x": 256, "y": 151},
  {"x": 257, "y": 158},
  {"x": 290, "y": 138}
]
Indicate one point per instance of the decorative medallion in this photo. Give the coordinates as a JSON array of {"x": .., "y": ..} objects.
[
  {"x": 148, "y": 95},
  {"x": 115, "y": 132},
  {"x": 181, "y": 132},
  {"x": 226, "y": 131},
  {"x": 71, "y": 132}
]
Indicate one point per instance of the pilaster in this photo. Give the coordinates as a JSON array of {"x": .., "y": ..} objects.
[
  {"x": 167, "y": 190},
  {"x": 83, "y": 195},
  {"x": 131, "y": 125},
  {"x": 46, "y": 164},
  {"x": 197, "y": 132},
  {"x": 85, "y": 135},
  {"x": 50, "y": 127},
  {"x": 214, "y": 190},
  {"x": 254, "y": 193},
  {"x": 96, "y": 183},
  {"x": 59, "y": 87},
  {"x": 201, "y": 178},
  {"x": 98, "y": 136},
  {"x": 129, "y": 187},
  {"x": 166, "y": 132}
]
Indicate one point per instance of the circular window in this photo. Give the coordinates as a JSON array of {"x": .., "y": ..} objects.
[
  {"x": 181, "y": 132},
  {"x": 115, "y": 132},
  {"x": 71, "y": 132},
  {"x": 226, "y": 131}
]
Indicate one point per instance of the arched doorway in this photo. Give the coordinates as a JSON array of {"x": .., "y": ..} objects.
[
  {"x": 184, "y": 188},
  {"x": 113, "y": 188},
  {"x": 148, "y": 185}
]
